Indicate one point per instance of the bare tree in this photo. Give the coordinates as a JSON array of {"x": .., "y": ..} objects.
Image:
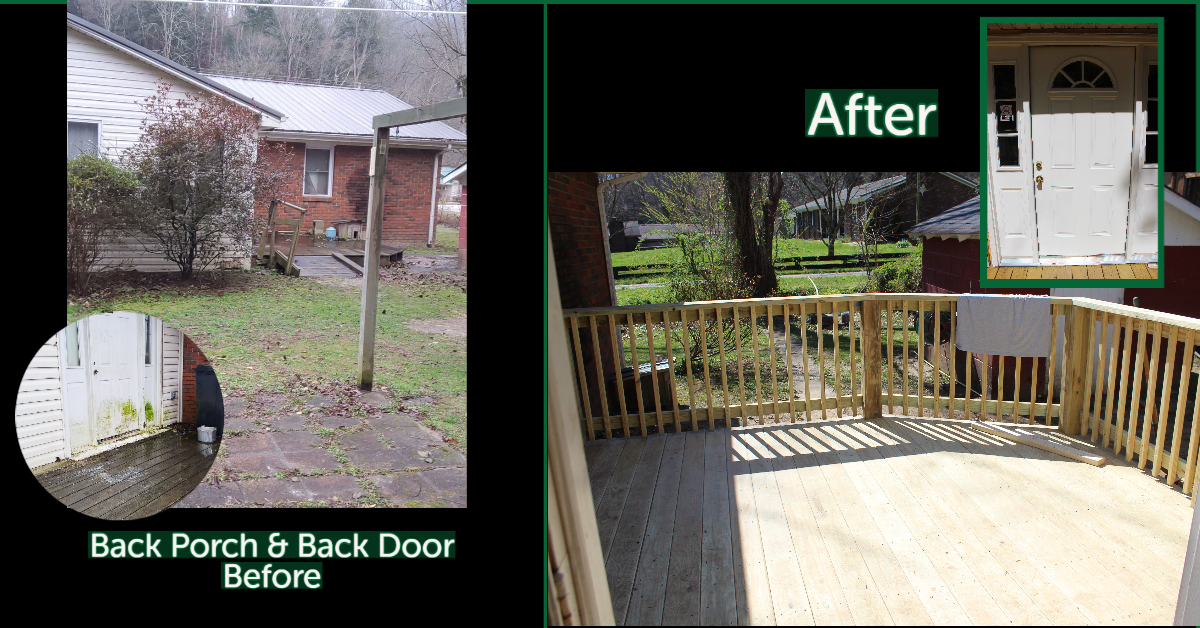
[
  {"x": 829, "y": 190},
  {"x": 296, "y": 32},
  {"x": 173, "y": 24},
  {"x": 443, "y": 38},
  {"x": 754, "y": 203}
]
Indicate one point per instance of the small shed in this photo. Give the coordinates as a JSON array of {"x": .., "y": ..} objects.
[{"x": 97, "y": 380}]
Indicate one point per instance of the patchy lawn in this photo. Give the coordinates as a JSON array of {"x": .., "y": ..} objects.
[
  {"x": 785, "y": 248},
  {"x": 788, "y": 287},
  {"x": 261, "y": 331}
]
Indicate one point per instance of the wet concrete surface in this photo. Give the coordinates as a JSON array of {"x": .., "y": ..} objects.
[
  {"x": 134, "y": 480},
  {"x": 311, "y": 245}
]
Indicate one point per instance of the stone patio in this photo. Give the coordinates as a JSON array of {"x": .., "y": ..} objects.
[{"x": 389, "y": 452}]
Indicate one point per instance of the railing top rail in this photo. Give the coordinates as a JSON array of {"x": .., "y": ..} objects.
[
  {"x": 1154, "y": 316},
  {"x": 297, "y": 207},
  {"x": 824, "y": 298}
]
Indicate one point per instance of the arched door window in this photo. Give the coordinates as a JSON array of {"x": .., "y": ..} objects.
[{"x": 1082, "y": 73}]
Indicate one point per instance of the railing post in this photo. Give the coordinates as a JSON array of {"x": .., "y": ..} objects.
[
  {"x": 872, "y": 370},
  {"x": 1073, "y": 354}
]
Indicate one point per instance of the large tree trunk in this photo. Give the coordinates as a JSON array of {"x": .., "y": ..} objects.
[{"x": 755, "y": 247}]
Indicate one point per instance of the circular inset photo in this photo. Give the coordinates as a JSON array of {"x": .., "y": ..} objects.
[{"x": 119, "y": 415}]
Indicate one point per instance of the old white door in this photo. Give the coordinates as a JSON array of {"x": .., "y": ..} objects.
[
  {"x": 116, "y": 397},
  {"x": 1082, "y": 118}
]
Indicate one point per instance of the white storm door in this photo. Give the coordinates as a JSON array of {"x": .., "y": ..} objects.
[
  {"x": 1082, "y": 135},
  {"x": 116, "y": 390}
]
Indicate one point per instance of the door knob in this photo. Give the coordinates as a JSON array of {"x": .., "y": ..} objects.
[
  {"x": 1039, "y": 165},
  {"x": 1039, "y": 181}
]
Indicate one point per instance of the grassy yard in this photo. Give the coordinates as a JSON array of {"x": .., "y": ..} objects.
[
  {"x": 785, "y": 248},
  {"x": 795, "y": 286},
  {"x": 261, "y": 331},
  {"x": 445, "y": 241}
]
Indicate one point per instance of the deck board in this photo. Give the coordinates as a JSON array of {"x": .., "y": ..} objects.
[{"x": 896, "y": 521}]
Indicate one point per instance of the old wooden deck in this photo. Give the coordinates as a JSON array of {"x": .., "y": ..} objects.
[
  {"x": 896, "y": 521},
  {"x": 134, "y": 480},
  {"x": 1096, "y": 271}
]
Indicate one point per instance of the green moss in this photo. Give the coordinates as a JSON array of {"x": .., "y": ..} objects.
[
  {"x": 128, "y": 410},
  {"x": 149, "y": 412}
]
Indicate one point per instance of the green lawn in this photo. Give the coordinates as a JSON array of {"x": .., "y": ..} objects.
[
  {"x": 263, "y": 330},
  {"x": 793, "y": 286},
  {"x": 445, "y": 241},
  {"x": 785, "y": 248}
]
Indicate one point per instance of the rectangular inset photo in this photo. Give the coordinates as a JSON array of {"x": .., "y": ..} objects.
[{"x": 1071, "y": 114}]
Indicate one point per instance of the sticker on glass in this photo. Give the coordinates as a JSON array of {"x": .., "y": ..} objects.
[{"x": 1006, "y": 113}]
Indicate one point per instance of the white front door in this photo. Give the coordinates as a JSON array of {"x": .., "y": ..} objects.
[
  {"x": 1082, "y": 120},
  {"x": 116, "y": 397}
]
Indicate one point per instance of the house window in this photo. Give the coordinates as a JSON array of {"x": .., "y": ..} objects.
[
  {"x": 1004, "y": 94},
  {"x": 318, "y": 166},
  {"x": 1151, "y": 153},
  {"x": 73, "y": 344},
  {"x": 82, "y": 137}
]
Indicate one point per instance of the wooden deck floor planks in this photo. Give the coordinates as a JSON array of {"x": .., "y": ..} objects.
[
  {"x": 897, "y": 521},
  {"x": 1090, "y": 271}
]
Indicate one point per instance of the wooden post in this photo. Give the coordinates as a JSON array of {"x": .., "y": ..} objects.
[
  {"x": 370, "y": 298},
  {"x": 1073, "y": 356},
  {"x": 872, "y": 373}
]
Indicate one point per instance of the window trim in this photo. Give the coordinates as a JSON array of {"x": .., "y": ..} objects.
[
  {"x": 1151, "y": 101},
  {"x": 304, "y": 172},
  {"x": 994, "y": 122},
  {"x": 99, "y": 130}
]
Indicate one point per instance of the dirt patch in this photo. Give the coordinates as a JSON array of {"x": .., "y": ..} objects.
[
  {"x": 116, "y": 283},
  {"x": 456, "y": 326},
  {"x": 426, "y": 271}
]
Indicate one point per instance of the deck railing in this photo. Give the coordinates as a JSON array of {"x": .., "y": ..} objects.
[{"x": 710, "y": 357}]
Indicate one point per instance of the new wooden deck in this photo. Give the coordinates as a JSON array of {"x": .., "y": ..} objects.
[
  {"x": 896, "y": 521},
  {"x": 1097, "y": 271},
  {"x": 134, "y": 480}
]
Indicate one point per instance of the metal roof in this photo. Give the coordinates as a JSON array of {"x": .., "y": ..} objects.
[
  {"x": 861, "y": 191},
  {"x": 84, "y": 25},
  {"x": 334, "y": 110},
  {"x": 459, "y": 173},
  {"x": 960, "y": 219}
]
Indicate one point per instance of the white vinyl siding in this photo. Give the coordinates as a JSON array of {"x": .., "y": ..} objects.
[
  {"x": 40, "y": 417},
  {"x": 172, "y": 373}
]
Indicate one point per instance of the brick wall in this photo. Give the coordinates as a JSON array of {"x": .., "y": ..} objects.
[
  {"x": 462, "y": 229},
  {"x": 405, "y": 200},
  {"x": 192, "y": 357},
  {"x": 577, "y": 237}
]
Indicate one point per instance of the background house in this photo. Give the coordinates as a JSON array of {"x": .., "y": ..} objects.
[
  {"x": 458, "y": 177},
  {"x": 328, "y": 130},
  {"x": 629, "y": 235},
  {"x": 907, "y": 199}
]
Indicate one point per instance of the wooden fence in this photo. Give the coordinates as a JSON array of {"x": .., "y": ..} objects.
[
  {"x": 785, "y": 262},
  {"x": 1150, "y": 352}
]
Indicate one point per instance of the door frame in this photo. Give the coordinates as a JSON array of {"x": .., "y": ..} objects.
[{"x": 1010, "y": 49}]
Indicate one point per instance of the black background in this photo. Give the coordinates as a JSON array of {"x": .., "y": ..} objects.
[{"x": 713, "y": 87}]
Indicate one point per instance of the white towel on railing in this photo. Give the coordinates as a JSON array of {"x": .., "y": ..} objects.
[{"x": 1004, "y": 324}]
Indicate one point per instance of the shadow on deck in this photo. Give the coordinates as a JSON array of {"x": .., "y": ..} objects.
[
  {"x": 901, "y": 520},
  {"x": 134, "y": 480}
]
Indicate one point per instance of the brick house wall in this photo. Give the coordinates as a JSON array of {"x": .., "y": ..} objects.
[
  {"x": 192, "y": 357},
  {"x": 462, "y": 229},
  {"x": 577, "y": 236},
  {"x": 405, "y": 200}
]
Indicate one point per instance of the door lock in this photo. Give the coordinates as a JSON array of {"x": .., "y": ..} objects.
[
  {"x": 1039, "y": 165},
  {"x": 1039, "y": 181}
]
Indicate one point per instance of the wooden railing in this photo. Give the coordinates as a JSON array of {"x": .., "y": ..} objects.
[
  {"x": 273, "y": 223},
  {"x": 697, "y": 365}
]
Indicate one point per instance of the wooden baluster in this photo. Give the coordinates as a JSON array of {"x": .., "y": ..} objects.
[
  {"x": 579, "y": 369},
  {"x": 1110, "y": 393},
  {"x": 791, "y": 385},
  {"x": 1033, "y": 391},
  {"x": 937, "y": 358},
  {"x": 804, "y": 359},
  {"x": 953, "y": 357},
  {"x": 600, "y": 376},
  {"x": 891, "y": 354},
  {"x": 637, "y": 373},
  {"x": 853, "y": 364},
  {"x": 1086, "y": 409},
  {"x": 1149, "y": 414},
  {"x": 1017, "y": 392},
  {"x": 771, "y": 358},
  {"x": 837, "y": 359},
  {"x": 1126, "y": 352},
  {"x": 1051, "y": 364},
  {"x": 920, "y": 358},
  {"x": 1185, "y": 381},
  {"x": 724, "y": 369},
  {"x": 618, "y": 351},
  {"x": 1135, "y": 404},
  {"x": 712, "y": 415},
  {"x": 1189, "y": 482},
  {"x": 671, "y": 369},
  {"x": 1000, "y": 390},
  {"x": 1164, "y": 401},
  {"x": 737, "y": 327},
  {"x": 757, "y": 366},
  {"x": 687, "y": 357},
  {"x": 654, "y": 373},
  {"x": 906, "y": 358},
  {"x": 821, "y": 351}
]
